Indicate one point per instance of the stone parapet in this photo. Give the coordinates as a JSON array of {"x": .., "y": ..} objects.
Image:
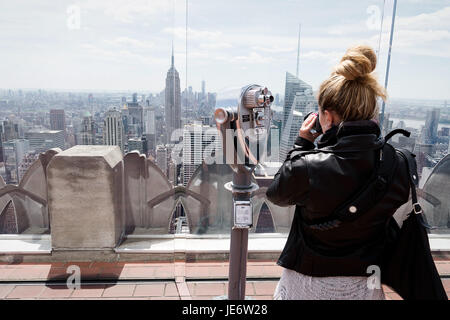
[{"x": 85, "y": 198}]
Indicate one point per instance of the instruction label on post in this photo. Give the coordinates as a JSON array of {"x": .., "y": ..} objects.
[{"x": 243, "y": 217}]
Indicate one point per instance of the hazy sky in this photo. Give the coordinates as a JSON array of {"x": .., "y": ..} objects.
[{"x": 126, "y": 45}]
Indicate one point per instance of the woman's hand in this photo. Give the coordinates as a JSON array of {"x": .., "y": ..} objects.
[{"x": 307, "y": 126}]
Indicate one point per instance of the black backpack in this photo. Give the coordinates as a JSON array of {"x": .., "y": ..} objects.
[{"x": 407, "y": 264}]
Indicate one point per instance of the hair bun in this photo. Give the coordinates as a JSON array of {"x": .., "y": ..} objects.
[{"x": 357, "y": 62}]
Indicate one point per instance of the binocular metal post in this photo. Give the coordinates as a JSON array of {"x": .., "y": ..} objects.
[
  {"x": 238, "y": 264},
  {"x": 242, "y": 187},
  {"x": 251, "y": 122}
]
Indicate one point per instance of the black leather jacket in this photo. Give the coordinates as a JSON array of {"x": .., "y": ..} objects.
[{"x": 317, "y": 184}]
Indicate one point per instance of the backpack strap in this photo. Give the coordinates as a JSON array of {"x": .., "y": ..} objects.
[
  {"x": 396, "y": 131},
  {"x": 367, "y": 196},
  {"x": 411, "y": 166},
  {"x": 376, "y": 188},
  {"x": 295, "y": 153}
]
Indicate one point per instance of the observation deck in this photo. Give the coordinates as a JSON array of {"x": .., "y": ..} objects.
[{"x": 115, "y": 216}]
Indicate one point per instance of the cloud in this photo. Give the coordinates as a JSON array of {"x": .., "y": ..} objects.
[
  {"x": 252, "y": 58},
  {"x": 275, "y": 49},
  {"x": 130, "y": 42},
  {"x": 439, "y": 19},
  {"x": 223, "y": 40},
  {"x": 417, "y": 37},
  {"x": 193, "y": 34},
  {"x": 130, "y": 10},
  {"x": 204, "y": 46},
  {"x": 426, "y": 34},
  {"x": 120, "y": 56},
  {"x": 215, "y": 45},
  {"x": 330, "y": 56},
  {"x": 435, "y": 20},
  {"x": 345, "y": 29}
]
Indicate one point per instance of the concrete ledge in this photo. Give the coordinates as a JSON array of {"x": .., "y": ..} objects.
[
  {"x": 25, "y": 244},
  {"x": 191, "y": 244},
  {"x": 258, "y": 243},
  {"x": 439, "y": 242},
  {"x": 187, "y": 247}
]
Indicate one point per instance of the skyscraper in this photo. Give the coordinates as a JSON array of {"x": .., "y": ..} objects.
[
  {"x": 196, "y": 138},
  {"x": 150, "y": 128},
  {"x": 27, "y": 162},
  {"x": 431, "y": 126},
  {"x": 135, "y": 125},
  {"x": 298, "y": 102},
  {"x": 136, "y": 144},
  {"x": 149, "y": 120},
  {"x": 57, "y": 120},
  {"x": 1, "y": 142},
  {"x": 14, "y": 153},
  {"x": 203, "y": 89},
  {"x": 43, "y": 140},
  {"x": 161, "y": 158},
  {"x": 172, "y": 101},
  {"x": 273, "y": 143},
  {"x": 91, "y": 103},
  {"x": 113, "y": 134},
  {"x": 87, "y": 133},
  {"x": 10, "y": 130}
]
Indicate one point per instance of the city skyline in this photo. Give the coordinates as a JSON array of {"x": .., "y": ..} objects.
[
  {"x": 146, "y": 122},
  {"x": 115, "y": 38}
]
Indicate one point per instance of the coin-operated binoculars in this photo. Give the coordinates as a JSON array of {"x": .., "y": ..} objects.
[{"x": 244, "y": 134}]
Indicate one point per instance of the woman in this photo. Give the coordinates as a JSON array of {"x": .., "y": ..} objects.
[{"x": 333, "y": 264}]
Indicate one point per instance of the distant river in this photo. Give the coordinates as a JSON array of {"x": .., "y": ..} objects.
[{"x": 416, "y": 124}]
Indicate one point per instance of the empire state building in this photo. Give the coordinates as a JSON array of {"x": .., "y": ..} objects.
[{"x": 173, "y": 101}]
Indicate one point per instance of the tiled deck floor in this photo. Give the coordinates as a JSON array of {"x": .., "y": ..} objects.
[{"x": 155, "y": 281}]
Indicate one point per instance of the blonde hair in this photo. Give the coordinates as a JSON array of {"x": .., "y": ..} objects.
[{"x": 352, "y": 89}]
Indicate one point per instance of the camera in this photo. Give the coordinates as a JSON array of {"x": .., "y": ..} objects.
[{"x": 317, "y": 127}]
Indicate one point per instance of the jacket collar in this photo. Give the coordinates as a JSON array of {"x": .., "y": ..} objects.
[{"x": 343, "y": 136}]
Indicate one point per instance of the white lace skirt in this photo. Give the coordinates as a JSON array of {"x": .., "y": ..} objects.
[{"x": 296, "y": 286}]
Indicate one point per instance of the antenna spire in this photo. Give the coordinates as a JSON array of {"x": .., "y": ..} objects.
[
  {"x": 298, "y": 50},
  {"x": 173, "y": 59},
  {"x": 386, "y": 79}
]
